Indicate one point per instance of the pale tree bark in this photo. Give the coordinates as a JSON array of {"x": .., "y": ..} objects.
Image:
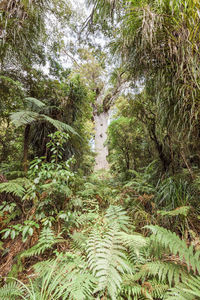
[
  {"x": 101, "y": 126},
  {"x": 101, "y": 111}
]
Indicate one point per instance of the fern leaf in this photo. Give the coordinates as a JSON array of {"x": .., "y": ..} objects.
[
  {"x": 12, "y": 291},
  {"x": 183, "y": 210},
  {"x": 12, "y": 187},
  {"x": 107, "y": 260},
  {"x": 169, "y": 240},
  {"x": 66, "y": 278},
  {"x": 134, "y": 241},
  {"x": 165, "y": 271},
  {"x": 34, "y": 103},
  {"x": 189, "y": 289},
  {"x": 59, "y": 125},
  {"x": 24, "y": 117},
  {"x": 117, "y": 215},
  {"x": 46, "y": 240}
]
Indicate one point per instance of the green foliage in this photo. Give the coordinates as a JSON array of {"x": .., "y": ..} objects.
[
  {"x": 169, "y": 241},
  {"x": 183, "y": 210},
  {"x": 25, "y": 229},
  {"x": 47, "y": 240},
  {"x": 13, "y": 188},
  {"x": 188, "y": 290},
  {"x": 12, "y": 290}
]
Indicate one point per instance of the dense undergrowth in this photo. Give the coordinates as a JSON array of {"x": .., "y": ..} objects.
[{"x": 70, "y": 237}]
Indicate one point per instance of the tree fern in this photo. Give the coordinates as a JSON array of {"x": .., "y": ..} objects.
[
  {"x": 25, "y": 117},
  {"x": 33, "y": 103}
]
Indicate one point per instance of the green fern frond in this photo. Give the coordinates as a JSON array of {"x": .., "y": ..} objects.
[
  {"x": 134, "y": 241},
  {"x": 107, "y": 260},
  {"x": 164, "y": 271},
  {"x": 86, "y": 218},
  {"x": 34, "y": 103},
  {"x": 183, "y": 210},
  {"x": 11, "y": 291},
  {"x": 133, "y": 290},
  {"x": 58, "y": 125},
  {"x": 171, "y": 242},
  {"x": 189, "y": 289},
  {"x": 24, "y": 117},
  {"x": 66, "y": 278},
  {"x": 46, "y": 240},
  {"x": 117, "y": 215},
  {"x": 158, "y": 288},
  {"x": 12, "y": 187},
  {"x": 78, "y": 241}
]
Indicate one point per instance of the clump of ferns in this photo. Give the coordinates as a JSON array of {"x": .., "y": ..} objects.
[
  {"x": 171, "y": 262},
  {"x": 113, "y": 262}
]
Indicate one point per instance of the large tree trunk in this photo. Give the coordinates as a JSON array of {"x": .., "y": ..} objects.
[
  {"x": 101, "y": 126},
  {"x": 103, "y": 103}
]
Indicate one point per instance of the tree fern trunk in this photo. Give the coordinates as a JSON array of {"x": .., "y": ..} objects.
[{"x": 26, "y": 144}]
